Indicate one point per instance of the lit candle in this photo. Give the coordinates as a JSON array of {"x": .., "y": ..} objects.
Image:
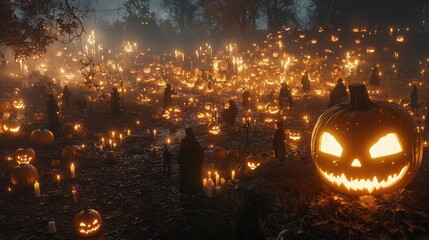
[
  {"x": 217, "y": 178},
  {"x": 154, "y": 133},
  {"x": 101, "y": 147},
  {"x": 37, "y": 189},
  {"x": 110, "y": 143},
  {"x": 72, "y": 171},
  {"x": 129, "y": 131},
  {"x": 204, "y": 184},
  {"x": 51, "y": 227},
  {"x": 113, "y": 134},
  {"x": 120, "y": 138},
  {"x": 168, "y": 141},
  {"x": 209, "y": 174},
  {"x": 233, "y": 175},
  {"x": 59, "y": 179},
  {"x": 74, "y": 193},
  {"x": 102, "y": 141}
]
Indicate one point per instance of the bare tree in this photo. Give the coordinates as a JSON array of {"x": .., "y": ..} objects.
[
  {"x": 232, "y": 14},
  {"x": 183, "y": 13},
  {"x": 279, "y": 13},
  {"x": 28, "y": 27}
]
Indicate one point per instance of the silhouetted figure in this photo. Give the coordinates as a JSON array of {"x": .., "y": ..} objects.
[
  {"x": 246, "y": 99},
  {"x": 285, "y": 96},
  {"x": 52, "y": 109},
  {"x": 279, "y": 143},
  {"x": 414, "y": 99},
  {"x": 115, "y": 102},
  {"x": 305, "y": 82},
  {"x": 81, "y": 102},
  {"x": 66, "y": 97},
  {"x": 229, "y": 114},
  {"x": 168, "y": 91},
  {"x": 339, "y": 94},
  {"x": 374, "y": 80},
  {"x": 191, "y": 157},
  {"x": 166, "y": 158}
]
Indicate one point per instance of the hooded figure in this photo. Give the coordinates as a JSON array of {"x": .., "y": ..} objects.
[
  {"x": 168, "y": 91},
  {"x": 285, "y": 96},
  {"x": 374, "y": 80},
  {"x": 279, "y": 142},
  {"x": 305, "y": 82},
  {"x": 115, "y": 102},
  {"x": 229, "y": 114},
  {"x": 66, "y": 97},
  {"x": 414, "y": 99},
  {"x": 52, "y": 109},
  {"x": 191, "y": 157},
  {"x": 339, "y": 94}
]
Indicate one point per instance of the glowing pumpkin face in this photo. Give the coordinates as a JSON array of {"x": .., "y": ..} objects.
[
  {"x": 364, "y": 147},
  {"x": 11, "y": 126},
  {"x": 18, "y": 104},
  {"x": 87, "y": 223},
  {"x": 25, "y": 155},
  {"x": 273, "y": 108},
  {"x": 254, "y": 161},
  {"x": 214, "y": 128}
]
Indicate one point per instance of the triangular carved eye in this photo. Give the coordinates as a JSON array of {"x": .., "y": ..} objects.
[
  {"x": 330, "y": 145},
  {"x": 82, "y": 224},
  {"x": 95, "y": 222},
  {"x": 386, "y": 146}
]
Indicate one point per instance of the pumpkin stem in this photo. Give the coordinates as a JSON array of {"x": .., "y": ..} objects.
[{"x": 359, "y": 99}]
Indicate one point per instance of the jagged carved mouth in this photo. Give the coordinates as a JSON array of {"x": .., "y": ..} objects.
[
  {"x": 90, "y": 230},
  {"x": 364, "y": 184}
]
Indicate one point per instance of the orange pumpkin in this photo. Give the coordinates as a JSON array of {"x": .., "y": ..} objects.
[
  {"x": 42, "y": 138},
  {"x": 25, "y": 155},
  {"x": 87, "y": 223},
  {"x": 24, "y": 175},
  {"x": 70, "y": 153}
]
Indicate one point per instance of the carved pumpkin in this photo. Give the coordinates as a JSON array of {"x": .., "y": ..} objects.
[
  {"x": 214, "y": 128},
  {"x": 24, "y": 175},
  {"x": 18, "y": 104},
  {"x": 273, "y": 108},
  {"x": 87, "y": 223},
  {"x": 254, "y": 161},
  {"x": 42, "y": 138},
  {"x": 25, "y": 155},
  {"x": 364, "y": 147},
  {"x": 38, "y": 117},
  {"x": 5, "y": 106},
  {"x": 10, "y": 126},
  {"x": 219, "y": 154},
  {"x": 70, "y": 153}
]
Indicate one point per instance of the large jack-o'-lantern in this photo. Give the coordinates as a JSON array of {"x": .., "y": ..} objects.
[
  {"x": 11, "y": 126},
  {"x": 364, "y": 147},
  {"x": 87, "y": 223}
]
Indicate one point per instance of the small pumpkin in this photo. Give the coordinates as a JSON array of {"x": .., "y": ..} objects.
[
  {"x": 364, "y": 147},
  {"x": 272, "y": 108},
  {"x": 254, "y": 161},
  {"x": 25, "y": 155},
  {"x": 42, "y": 138},
  {"x": 219, "y": 154},
  {"x": 18, "y": 104},
  {"x": 72, "y": 152},
  {"x": 233, "y": 154},
  {"x": 5, "y": 106},
  {"x": 24, "y": 175},
  {"x": 214, "y": 128},
  {"x": 87, "y": 223}
]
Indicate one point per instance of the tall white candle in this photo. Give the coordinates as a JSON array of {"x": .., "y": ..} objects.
[
  {"x": 51, "y": 227},
  {"x": 72, "y": 171},
  {"x": 37, "y": 189},
  {"x": 233, "y": 175}
]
